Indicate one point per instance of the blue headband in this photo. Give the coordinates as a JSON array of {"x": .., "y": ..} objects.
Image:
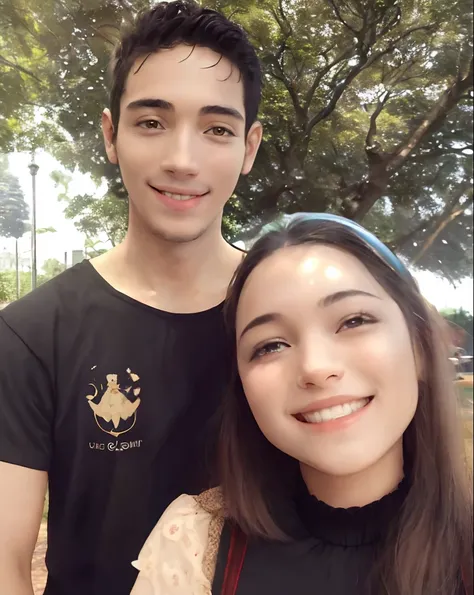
[{"x": 379, "y": 248}]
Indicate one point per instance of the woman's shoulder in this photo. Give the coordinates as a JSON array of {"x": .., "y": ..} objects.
[{"x": 179, "y": 556}]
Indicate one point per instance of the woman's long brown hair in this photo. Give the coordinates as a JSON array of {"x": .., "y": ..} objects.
[{"x": 434, "y": 536}]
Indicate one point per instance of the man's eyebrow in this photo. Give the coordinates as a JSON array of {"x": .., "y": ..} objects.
[
  {"x": 221, "y": 110},
  {"x": 259, "y": 320},
  {"x": 341, "y": 295},
  {"x": 156, "y": 103},
  {"x": 218, "y": 110}
]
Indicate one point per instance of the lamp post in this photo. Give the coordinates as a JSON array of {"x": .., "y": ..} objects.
[{"x": 33, "y": 167}]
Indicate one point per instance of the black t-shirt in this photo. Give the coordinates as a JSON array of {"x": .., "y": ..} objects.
[{"x": 117, "y": 401}]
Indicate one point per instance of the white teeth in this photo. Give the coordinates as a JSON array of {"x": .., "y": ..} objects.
[
  {"x": 178, "y": 196},
  {"x": 346, "y": 409},
  {"x": 317, "y": 417}
]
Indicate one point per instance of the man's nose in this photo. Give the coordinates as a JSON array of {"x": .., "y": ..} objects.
[{"x": 180, "y": 157}]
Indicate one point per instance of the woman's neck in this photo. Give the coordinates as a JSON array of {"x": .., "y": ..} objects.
[{"x": 360, "y": 488}]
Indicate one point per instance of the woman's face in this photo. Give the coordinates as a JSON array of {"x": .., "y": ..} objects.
[{"x": 325, "y": 358}]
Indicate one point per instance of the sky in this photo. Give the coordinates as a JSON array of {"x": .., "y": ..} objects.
[{"x": 49, "y": 213}]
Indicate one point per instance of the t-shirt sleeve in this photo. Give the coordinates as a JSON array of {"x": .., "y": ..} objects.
[
  {"x": 171, "y": 561},
  {"x": 26, "y": 404}
]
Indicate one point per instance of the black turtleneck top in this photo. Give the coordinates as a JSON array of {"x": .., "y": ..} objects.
[{"x": 332, "y": 550}]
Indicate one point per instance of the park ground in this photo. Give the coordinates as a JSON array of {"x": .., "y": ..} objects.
[{"x": 466, "y": 395}]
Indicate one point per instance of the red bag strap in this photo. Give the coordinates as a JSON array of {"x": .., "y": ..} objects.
[{"x": 235, "y": 561}]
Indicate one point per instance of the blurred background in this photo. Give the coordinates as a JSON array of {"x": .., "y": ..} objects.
[{"x": 367, "y": 110}]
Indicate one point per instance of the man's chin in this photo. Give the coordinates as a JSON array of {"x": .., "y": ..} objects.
[{"x": 177, "y": 236}]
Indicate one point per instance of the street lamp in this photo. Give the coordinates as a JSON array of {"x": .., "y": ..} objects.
[{"x": 33, "y": 167}]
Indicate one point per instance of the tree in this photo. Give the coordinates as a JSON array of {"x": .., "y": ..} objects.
[
  {"x": 52, "y": 267},
  {"x": 460, "y": 319},
  {"x": 13, "y": 208},
  {"x": 367, "y": 110},
  {"x": 95, "y": 216},
  {"x": 13, "y": 211},
  {"x": 357, "y": 86}
]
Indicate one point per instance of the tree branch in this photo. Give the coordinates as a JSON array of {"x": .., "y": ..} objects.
[
  {"x": 319, "y": 77},
  {"x": 393, "y": 45},
  {"x": 441, "y": 153},
  {"x": 363, "y": 64},
  {"x": 443, "y": 223},
  {"x": 20, "y": 69},
  {"x": 341, "y": 19},
  {"x": 369, "y": 141},
  {"x": 431, "y": 222},
  {"x": 392, "y": 23},
  {"x": 338, "y": 91},
  {"x": 435, "y": 117}
]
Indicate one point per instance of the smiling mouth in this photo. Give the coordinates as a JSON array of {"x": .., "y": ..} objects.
[
  {"x": 331, "y": 413},
  {"x": 178, "y": 196}
]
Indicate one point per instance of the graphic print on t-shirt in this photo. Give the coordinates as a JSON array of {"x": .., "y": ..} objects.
[{"x": 114, "y": 412}]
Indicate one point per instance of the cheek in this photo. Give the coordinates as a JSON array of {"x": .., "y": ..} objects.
[
  {"x": 391, "y": 365},
  {"x": 132, "y": 159},
  {"x": 224, "y": 163},
  {"x": 263, "y": 391},
  {"x": 389, "y": 357}
]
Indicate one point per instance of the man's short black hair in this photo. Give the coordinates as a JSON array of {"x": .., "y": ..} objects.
[{"x": 168, "y": 24}]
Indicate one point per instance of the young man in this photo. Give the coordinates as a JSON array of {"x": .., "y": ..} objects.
[{"x": 112, "y": 372}]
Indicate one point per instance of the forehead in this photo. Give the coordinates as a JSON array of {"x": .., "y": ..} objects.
[
  {"x": 298, "y": 273},
  {"x": 184, "y": 75}
]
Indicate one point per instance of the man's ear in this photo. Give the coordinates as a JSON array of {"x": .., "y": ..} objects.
[
  {"x": 108, "y": 132},
  {"x": 252, "y": 143}
]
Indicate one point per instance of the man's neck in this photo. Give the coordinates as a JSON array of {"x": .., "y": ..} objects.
[{"x": 175, "y": 277}]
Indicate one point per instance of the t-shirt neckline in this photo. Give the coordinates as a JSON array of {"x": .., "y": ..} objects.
[{"x": 105, "y": 285}]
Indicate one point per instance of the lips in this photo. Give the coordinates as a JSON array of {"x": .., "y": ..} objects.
[
  {"x": 335, "y": 412},
  {"x": 332, "y": 409},
  {"x": 181, "y": 195}
]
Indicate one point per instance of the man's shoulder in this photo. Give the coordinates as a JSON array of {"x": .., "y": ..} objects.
[{"x": 47, "y": 301}]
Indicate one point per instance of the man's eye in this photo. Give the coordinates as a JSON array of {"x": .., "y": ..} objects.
[
  {"x": 269, "y": 348},
  {"x": 150, "y": 124},
  {"x": 220, "y": 131}
]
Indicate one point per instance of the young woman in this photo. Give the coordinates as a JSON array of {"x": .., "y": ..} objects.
[{"x": 342, "y": 467}]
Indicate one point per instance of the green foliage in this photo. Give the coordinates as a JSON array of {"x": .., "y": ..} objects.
[
  {"x": 13, "y": 208},
  {"x": 94, "y": 216},
  {"x": 460, "y": 317},
  {"x": 465, "y": 321},
  {"x": 52, "y": 267},
  {"x": 367, "y": 110},
  {"x": 8, "y": 285}
]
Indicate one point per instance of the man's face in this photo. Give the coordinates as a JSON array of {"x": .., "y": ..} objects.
[{"x": 181, "y": 143}]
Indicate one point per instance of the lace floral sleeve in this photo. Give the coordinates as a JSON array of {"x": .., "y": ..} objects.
[{"x": 173, "y": 559}]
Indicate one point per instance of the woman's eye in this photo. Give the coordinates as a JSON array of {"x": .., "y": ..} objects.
[
  {"x": 269, "y": 348},
  {"x": 150, "y": 124},
  {"x": 220, "y": 131},
  {"x": 356, "y": 321}
]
